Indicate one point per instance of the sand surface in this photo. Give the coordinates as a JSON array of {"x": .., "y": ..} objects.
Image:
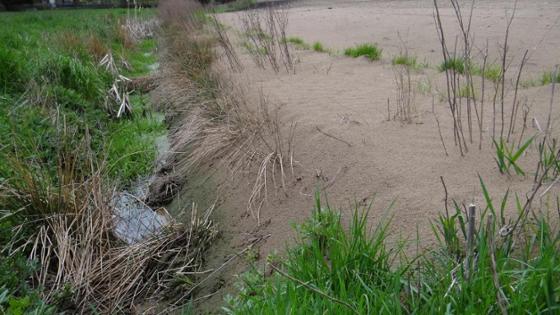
[{"x": 378, "y": 161}]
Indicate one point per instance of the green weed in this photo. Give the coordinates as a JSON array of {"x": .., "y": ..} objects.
[
  {"x": 466, "y": 91},
  {"x": 295, "y": 40},
  {"x": 81, "y": 77},
  {"x": 16, "y": 296},
  {"x": 351, "y": 267},
  {"x": 405, "y": 60},
  {"x": 351, "y": 271},
  {"x": 318, "y": 47},
  {"x": 298, "y": 42},
  {"x": 454, "y": 64},
  {"x": 53, "y": 121},
  {"x": 130, "y": 145},
  {"x": 548, "y": 158},
  {"x": 507, "y": 157},
  {"x": 371, "y": 51},
  {"x": 492, "y": 72},
  {"x": 548, "y": 78},
  {"x": 142, "y": 58},
  {"x": 14, "y": 72}
]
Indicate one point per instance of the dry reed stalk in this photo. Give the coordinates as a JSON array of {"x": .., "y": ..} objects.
[
  {"x": 276, "y": 156},
  {"x": 482, "y": 96},
  {"x": 266, "y": 37},
  {"x": 74, "y": 240},
  {"x": 225, "y": 43},
  {"x": 505, "y": 49},
  {"x": 439, "y": 128},
  {"x": 454, "y": 79},
  {"x": 214, "y": 123},
  {"x": 82, "y": 261},
  {"x": 452, "y": 83},
  {"x": 405, "y": 90},
  {"x": 514, "y": 109}
]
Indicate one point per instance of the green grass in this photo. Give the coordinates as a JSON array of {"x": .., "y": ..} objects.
[
  {"x": 492, "y": 72},
  {"x": 298, "y": 42},
  {"x": 545, "y": 78},
  {"x": 295, "y": 40},
  {"x": 453, "y": 64},
  {"x": 52, "y": 102},
  {"x": 466, "y": 91},
  {"x": 16, "y": 295},
  {"x": 409, "y": 61},
  {"x": 141, "y": 58},
  {"x": 371, "y": 51},
  {"x": 507, "y": 157},
  {"x": 47, "y": 54},
  {"x": 337, "y": 270},
  {"x": 318, "y": 47},
  {"x": 548, "y": 78},
  {"x": 237, "y": 5},
  {"x": 130, "y": 144},
  {"x": 405, "y": 60}
]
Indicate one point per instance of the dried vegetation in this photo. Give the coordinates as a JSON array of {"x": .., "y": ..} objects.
[{"x": 213, "y": 120}]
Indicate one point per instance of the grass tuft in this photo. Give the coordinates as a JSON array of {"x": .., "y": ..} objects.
[
  {"x": 548, "y": 78},
  {"x": 454, "y": 64},
  {"x": 371, "y": 51},
  {"x": 506, "y": 157},
  {"x": 295, "y": 40},
  {"x": 493, "y": 72},
  {"x": 405, "y": 61},
  {"x": 318, "y": 47}
]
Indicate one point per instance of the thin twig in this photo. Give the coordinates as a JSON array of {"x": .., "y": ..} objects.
[{"x": 334, "y": 137}]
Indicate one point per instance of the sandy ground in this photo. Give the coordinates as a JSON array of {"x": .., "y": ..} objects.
[{"x": 380, "y": 162}]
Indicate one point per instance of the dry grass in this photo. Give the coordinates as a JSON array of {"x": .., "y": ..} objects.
[
  {"x": 213, "y": 122},
  {"x": 139, "y": 28},
  {"x": 405, "y": 94},
  {"x": 225, "y": 43},
  {"x": 83, "y": 265},
  {"x": 266, "y": 37},
  {"x": 274, "y": 159},
  {"x": 96, "y": 47}
]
